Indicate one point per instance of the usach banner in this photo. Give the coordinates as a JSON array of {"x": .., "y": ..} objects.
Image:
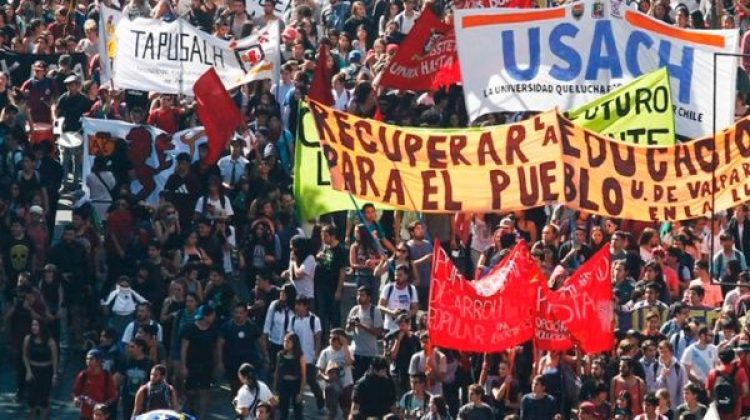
[
  {"x": 312, "y": 181},
  {"x": 545, "y": 159},
  {"x": 566, "y": 57},
  {"x": 622, "y": 114}
]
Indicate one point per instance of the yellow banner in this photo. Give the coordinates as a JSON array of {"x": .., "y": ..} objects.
[
  {"x": 639, "y": 112},
  {"x": 546, "y": 159}
]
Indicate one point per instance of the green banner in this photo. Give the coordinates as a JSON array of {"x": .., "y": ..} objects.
[
  {"x": 312, "y": 180},
  {"x": 639, "y": 112}
]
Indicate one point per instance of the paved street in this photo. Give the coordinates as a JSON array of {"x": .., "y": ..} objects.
[{"x": 62, "y": 407}]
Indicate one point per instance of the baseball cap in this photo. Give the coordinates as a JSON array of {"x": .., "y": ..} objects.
[
  {"x": 355, "y": 56},
  {"x": 94, "y": 354},
  {"x": 289, "y": 33},
  {"x": 36, "y": 210}
]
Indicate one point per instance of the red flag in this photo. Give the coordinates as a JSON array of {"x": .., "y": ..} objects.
[
  {"x": 217, "y": 112},
  {"x": 490, "y": 315},
  {"x": 584, "y": 304},
  {"x": 320, "y": 87},
  {"x": 429, "y": 47}
]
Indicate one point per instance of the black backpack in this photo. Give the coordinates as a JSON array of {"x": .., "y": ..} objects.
[{"x": 724, "y": 392}]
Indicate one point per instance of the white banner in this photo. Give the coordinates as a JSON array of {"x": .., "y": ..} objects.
[
  {"x": 536, "y": 59},
  {"x": 150, "y": 151},
  {"x": 168, "y": 57}
]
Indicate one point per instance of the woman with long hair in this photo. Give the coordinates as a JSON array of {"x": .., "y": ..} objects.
[
  {"x": 51, "y": 289},
  {"x": 438, "y": 409},
  {"x": 654, "y": 273},
  {"x": 172, "y": 305},
  {"x": 394, "y": 8},
  {"x": 302, "y": 266},
  {"x": 402, "y": 256},
  {"x": 193, "y": 255},
  {"x": 251, "y": 393},
  {"x": 260, "y": 252},
  {"x": 40, "y": 360},
  {"x": 364, "y": 258},
  {"x": 289, "y": 376},
  {"x": 278, "y": 316}
]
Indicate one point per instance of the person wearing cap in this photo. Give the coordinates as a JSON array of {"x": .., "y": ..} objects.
[
  {"x": 733, "y": 371},
  {"x": 93, "y": 386},
  {"x": 232, "y": 166},
  {"x": 587, "y": 411},
  {"x": 72, "y": 105},
  {"x": 199, "y": 358},
  {"x": 335, "y": 368}
]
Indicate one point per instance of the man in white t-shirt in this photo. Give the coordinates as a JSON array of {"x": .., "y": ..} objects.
[
  {"x": 398, "y": 297},
  {"x": 408, "y": 17},
  {"x": 250, "y": 394},
  {"x": 335, "y": 368},
  {"x": 700, "y": 357},
  {"x": 306, "y": 325}
]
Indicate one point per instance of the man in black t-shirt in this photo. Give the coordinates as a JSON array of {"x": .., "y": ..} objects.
[
  {"x": 240, "y": 342},
  {"x": 132, "y": 373},
  {"x": 219, "y": 294},
  {"x": 199, "y": 356},
  {"x": 374, "y": 394},
  {"x": 329, "y": 278},
  {"x": 261, "y": 297},
  {"x": 72, "y": 105},
  {"x": 182, "y": 189}
]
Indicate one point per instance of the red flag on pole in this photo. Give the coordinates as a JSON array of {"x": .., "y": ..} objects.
[
  {"x": 584, "y": 304},
  {"x": 427, "y": 56},
  {"x": 320, "y": 87},
  {"x": 218, "y": 113}
]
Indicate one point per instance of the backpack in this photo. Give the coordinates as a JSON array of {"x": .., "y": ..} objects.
[
  {"x": 724, "y": 392},
  {"x": 167, "y": 394},
  {"x": 393, "y": 286},
  {"x": 312, "y": 322},
  {"x": 286, "y": 317}
]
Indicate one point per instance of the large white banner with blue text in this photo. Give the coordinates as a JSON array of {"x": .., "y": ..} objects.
[{"x": 536, "y": 59}]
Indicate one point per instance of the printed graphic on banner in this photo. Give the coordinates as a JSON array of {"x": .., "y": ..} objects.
[
  {"x": 568, "y": 56},
  {"x": 109, "y": 18},
  {"x": 478, "y": 4},
  {"x": 491, "y": 315},
  {"x": 429, "y": 47},
  {"x": 19, "y": 66},
  {"x": 546, "y": 159},
  {"x": 150, "y": 151},
  {"x": 168, "y": 57},
  {"x": 639, "y": 112},
  {"x": 312, "y": 183}
]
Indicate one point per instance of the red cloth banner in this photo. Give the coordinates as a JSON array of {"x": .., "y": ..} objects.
[
  {"x": 490, "y": 315},
  {"x": 218, "y": 113},
  {"x": 429, "y": 48},
  {"x": 585, "y": 305}
]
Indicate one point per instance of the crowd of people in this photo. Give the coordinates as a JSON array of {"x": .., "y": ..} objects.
[{"x": 221, "y": 284}]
